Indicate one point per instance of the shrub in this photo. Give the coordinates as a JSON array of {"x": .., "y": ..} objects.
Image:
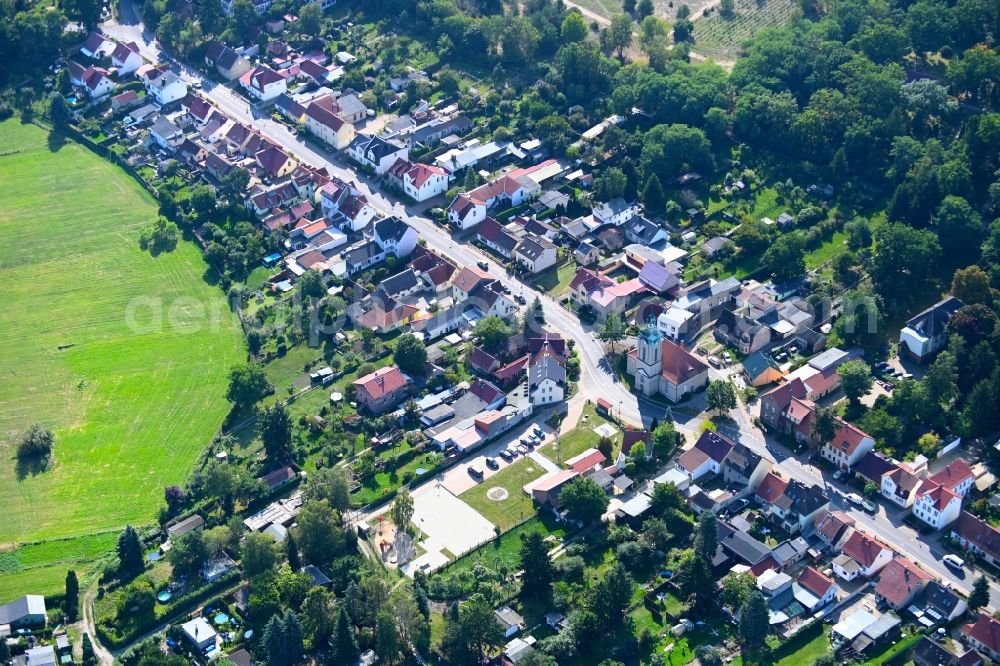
[{"x": 35, "y": 443}]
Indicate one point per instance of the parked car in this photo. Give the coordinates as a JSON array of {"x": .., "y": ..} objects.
[
  {"x": 475, "y": 472},
  {"x": 505, "y": 454},
  {"x": 854, "y": 498},
  {"x": 522, "y": 449},
  {"x": 953, "y": 561},
  {"x": 869, "y": 507},
  {"x": 483, "y": 265},
  {"x": 838, "y": 475},
  {"x": 521, "y": 299},
  {"x": 492, "y": 463}
]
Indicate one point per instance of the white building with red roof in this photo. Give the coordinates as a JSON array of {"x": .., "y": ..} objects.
[
  {"x": 957, "y": 477},
  {"x": 848, "y": 445},
  {"x": 984, "y": 635},
  {"x": 814, "y": 590},
  {"x": 423, "y": 181},
  {"x": 263, "y": 84},
  {"x": 706, "y": 456},
  {"x": 868, "y": 555},
  {"x": 126, "y": 58},
  {"x": 936, "y": 505},
  {"x": 978, "y": 536}
]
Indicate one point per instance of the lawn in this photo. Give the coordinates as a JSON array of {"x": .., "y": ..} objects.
[
  {"x": 804, "y": 648},
  {"x": 517, "y": 506},
  {"x": 123, "y": 355},
  {"x": 580, "y": 438},
  {"x": 41, "y": 567},
  {"x": 556, "y": 281}
]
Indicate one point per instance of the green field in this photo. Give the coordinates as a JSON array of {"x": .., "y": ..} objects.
[
  {"x": 131, "y": 399},
  {"x": 719, "y": 35},
  {"x": 517, "y": 506}
]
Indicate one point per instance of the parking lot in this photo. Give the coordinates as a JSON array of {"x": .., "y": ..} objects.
[{"x": 459, "y": 478}]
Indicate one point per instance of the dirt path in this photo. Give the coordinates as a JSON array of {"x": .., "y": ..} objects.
[
  {"x": 89, "y": 626},
  {"x": 593, "y": 16}
]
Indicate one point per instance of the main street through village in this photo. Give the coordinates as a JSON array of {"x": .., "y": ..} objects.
[{"x": 597, "y": 379}]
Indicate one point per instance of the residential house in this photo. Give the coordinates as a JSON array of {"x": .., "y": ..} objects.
[
  {"x": 546, "y": 490},
  {"x": 228, "y": 63},
  {"x": 644, "y": 232},
  {"x": 770, "y": 489},
  {"x": 395, "y": 236},
  {"x": 936, "y": 505},
  {"x": 761, "y": 369},
  {"x": 352, "y": 109},
  {"x": 940, "y": 603},
  {"x": 984, "y": 636},
  {"x": 97, "y": 46},
  {"x": 900, "y": 582},
  {"x": 509, "y": 621},
  {"x": 97, "y": 82},
  {"x": 872, "y": 466},
  {"x": 739, "y": 546},
  {"x": 928, "y": 652},
  {"x": 498, "y": 238},
  {"x": 957, "y": 477},
  {"x": 274, "y": 162},
  {"x": 278, "y": 478},
  {"x": 713, "y": 246},
  {"x": 263, "y": 84},
  {"x": 329, "y": 127},
  {"x": 381, "y": 390},
  {"x": 744, "y": 469},
  {"x": 832, "y": 527},
  {"x": 546, "y": 376},
  {"x": 166, "y": 135},
  {"x": 848, "y": 445},
  {"x": 470, "y": 208},
  {"x": 798, "y": 506},
  {"x": 870, "y": 556},
  {"x": 610, "y": 297},
  {"x": 674, "y": 322},
  {"x": 926, "y": 334},
  {"x": 423, "y": 181},
  {"x": 814, "y": 590},
  {"x": 364, "y": 254},
  {"x": 536, "y": 254},
  {"x": 182, "y": 527},
  {"x": 199, "y": 633},
  {"x": 126, "y": 58},
  {"x": 376, "y": 153},
  {"x": 516, "y": 650},
  {"x": 900, "y": 486},
  {"x": 24, "y": 612},
  {"x": 658, "y": 279},
  {"x": 790, "y": 552},
  {"x": 660, "y": 366},
  {"x": 977, "y": 536},
  {"x": 469, "y": 280},
  {"x": 737, "y": 330},
  {"x": 166, "y": 88},
  {"x": 616, "y": 212},
  {"x": 706, "y": 456}
]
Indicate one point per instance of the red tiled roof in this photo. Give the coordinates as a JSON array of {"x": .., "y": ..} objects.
[
  {"x": 771, "y": 488},
  {"x": 630, "y": 437},
  {"x": 421, "y": 173},
  {"x": 782, "y": 395},
  {"x": 954, "y": 474},
  {"x": 863, "y": 549},
  {"x": 830, "y": 524},
  {"x": 978, "y": 533},
  {"x": 766, "y": 564},
  {"x": 848, "y": 437},
  {"x": 512, "y": 369},
  {"x": 815, "y": 582},
  {"x": 678, "y": 365},
  {"x": 899, "y": 580},
  {"x": 986, "y": 630},
  {"x": 583, "y": 463},
  {"x": 482, "y": 360},
  {"x": 469, "y": 278},
  {"x": 485, "y": 391},
  {"x": 382, "y": 382},
  {"x": 938, "y": 494}
]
